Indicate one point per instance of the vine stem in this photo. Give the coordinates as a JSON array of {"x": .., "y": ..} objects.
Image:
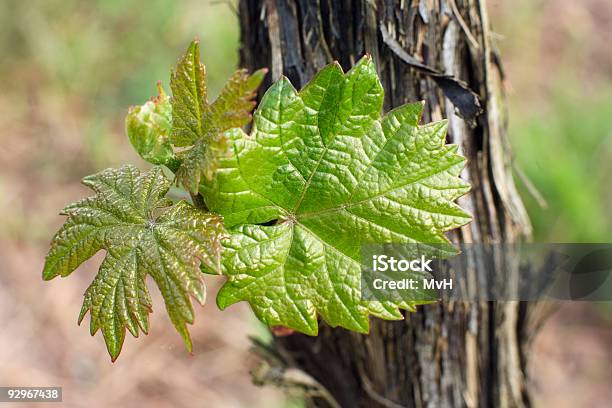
[{"x": 198, "y": 201}]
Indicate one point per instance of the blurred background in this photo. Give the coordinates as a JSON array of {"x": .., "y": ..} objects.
[{"x": 68, "y": 71}]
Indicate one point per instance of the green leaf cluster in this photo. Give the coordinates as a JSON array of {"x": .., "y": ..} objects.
[{"x": 282, "y": 212}]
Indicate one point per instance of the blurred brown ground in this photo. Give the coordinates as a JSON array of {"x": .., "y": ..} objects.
[{"x": 52, "y": 136}]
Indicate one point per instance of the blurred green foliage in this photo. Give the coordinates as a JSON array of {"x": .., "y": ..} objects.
[
  {"x": 113, "y": 51},
  {"x": 98, "y": 57},
  {"x": 567, "y": 154},
  {"x": 559, "y": 66}
]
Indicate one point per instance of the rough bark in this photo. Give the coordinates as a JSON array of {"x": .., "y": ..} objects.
[{"x": 450, "y": 354}]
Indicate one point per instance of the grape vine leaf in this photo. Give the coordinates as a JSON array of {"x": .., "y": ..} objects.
[
  {"x": 143, "y": 234},
  {"x": 199, "y": 126},
  {"x": 321, "y": 174},
  {"x": 148, "y": 128}
]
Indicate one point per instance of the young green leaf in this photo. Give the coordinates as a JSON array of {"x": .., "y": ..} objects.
[
  {"x": 188, "y": 84},
  {"x": 149, "y": 126},
  {"x": 143, "y": 234},
  {"x": 321, "y": 174},
  {"x": 199, "y": 125}
]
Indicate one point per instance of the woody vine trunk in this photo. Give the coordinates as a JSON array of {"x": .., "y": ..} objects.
[{"x": 450, "y": 354}]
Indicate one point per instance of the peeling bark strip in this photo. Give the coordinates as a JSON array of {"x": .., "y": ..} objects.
[
  {"x": 445, "y": 355},
  {"x": 467, "y": 104}
]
